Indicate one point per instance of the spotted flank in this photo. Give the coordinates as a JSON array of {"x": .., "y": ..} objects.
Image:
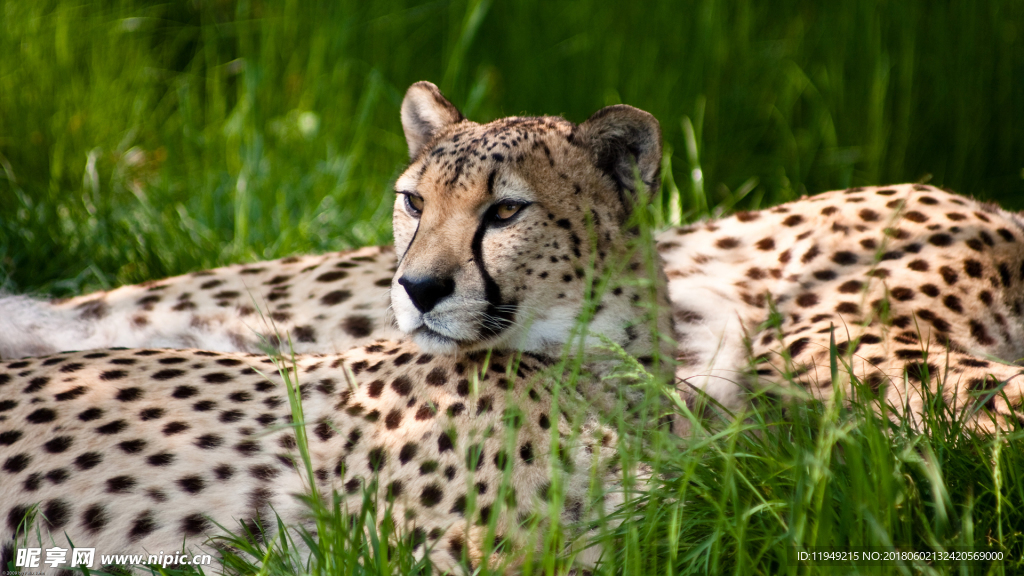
[{"x": 920, "y": 287}]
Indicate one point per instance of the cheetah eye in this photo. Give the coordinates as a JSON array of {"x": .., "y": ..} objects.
[
  {"x": 414, "y": 203},
  {"x": 506, "y": 210}
]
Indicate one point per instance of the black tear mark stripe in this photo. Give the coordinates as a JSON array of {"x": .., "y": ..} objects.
[
  {"x": 409, "y": 246},
  {"x": 500, "y": 317}
]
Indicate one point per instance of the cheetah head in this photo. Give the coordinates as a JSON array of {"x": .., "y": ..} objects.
[{"x": 496, "y": 225}]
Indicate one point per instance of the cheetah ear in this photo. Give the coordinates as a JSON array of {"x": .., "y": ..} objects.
[
  {"x": 424, "y": 112},
  {"x": 623, "y": 137}
]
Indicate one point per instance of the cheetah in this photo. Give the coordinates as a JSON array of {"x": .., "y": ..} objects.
[
  {"x": 454, "y": 428},
  {"x": 919, "y": 287}
]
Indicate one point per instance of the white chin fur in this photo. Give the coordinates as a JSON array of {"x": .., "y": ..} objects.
[{"x": 433, "y": 344}]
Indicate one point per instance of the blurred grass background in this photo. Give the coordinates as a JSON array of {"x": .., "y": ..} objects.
[{"x": 144, "y": 139}]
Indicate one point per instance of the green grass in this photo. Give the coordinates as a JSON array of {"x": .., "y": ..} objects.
[{"x": 140, "y": 140}]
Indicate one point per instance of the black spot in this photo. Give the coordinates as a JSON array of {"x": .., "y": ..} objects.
[
  {"x": 973, "y": 268},
  {"x": 120, "y": 484},
  {"x": 304, "y": 334},
  {"x": 902, "y": 293},
  {"x": 941, "y": 239},
  {"x": 58, "y": 444},
  {"x": 113, "y": 427},
  {"x": 95, "y": 518},
  {"x": 798, "y": 346},
  {"x": 426, "y": 411},
  {"x": 377, "y": 458},
  {"x": 402, "y": 385},
  {"x": 844, "y": 258},
  {"x": 142, "y": 527},
  {"x": 375, "y": 388},
  {"x": 194, "y": 524},
  {"x": 324, "y": 431},
  {"x": 132, "y": 446},
  {"x": 431, "y": 496},
  {"x": 949, "y": 275},
  {"x": 193, "y": 484},
  {"x": 408, "y": 452},
  {"x": 42, "y": 416},
  {"x": 167, "y": 374},
  {"x": 332, "y": 276},
  {"x": 185, "y": 392},
  {"x": 175, "y": 427},
  {"x": 459, "y": 507},
  {"x": 825, "y": 275},
  {"x": 241, "y": 396},
  {"x": 393, "y": 419},
  {"x": 223, "y": 472},
  {"x": 32, "y": 482},
  {"x": 247, "y": 447},
  {"x": 9, "y": 437},
  {"x": 209, "y": 441},
  {"x": 71, "y": 394},
  {"x": 979, "y": 333},
  {"x": 357, "y": 326},
  {"x": 918, "y": 371},
  {"x": 953, "y": 303},
  {"x": 112, "y": 375},
  {"x": 526, "y": 452},
  {"x": 439, "y": 377},
  {"x": 217, "y": 377},
  {"x": 444, "y": 442},
  {"x": 17, "y": 463},
  {"x": 58, "y": 475},
  {"x": 160, "y": 459},
  {"x": 484, "y": 404},
  {"x": 229, "y": 416},
  {"x": 335, "y": 297},
  {"x": 806, "y": 300},
  {"x": 88, "y": 460}
]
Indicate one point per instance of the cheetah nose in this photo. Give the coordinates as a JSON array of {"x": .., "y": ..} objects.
[{"x": 426, "y": 292}]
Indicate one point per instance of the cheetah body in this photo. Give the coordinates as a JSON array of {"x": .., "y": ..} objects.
[
  {"x": 325, "y": 303},
  {"x": 138, "y": 450},
  {"x": 916, "y": 284}
]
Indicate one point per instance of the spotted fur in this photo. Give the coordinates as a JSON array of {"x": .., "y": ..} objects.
[
  {"x": 149, "y": 447},
  {"x": 326, "y": 303},
  {"x": 921, "y": 288}
]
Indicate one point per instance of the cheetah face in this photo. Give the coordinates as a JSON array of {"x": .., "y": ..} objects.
[{"x": 497, "y": 225}]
